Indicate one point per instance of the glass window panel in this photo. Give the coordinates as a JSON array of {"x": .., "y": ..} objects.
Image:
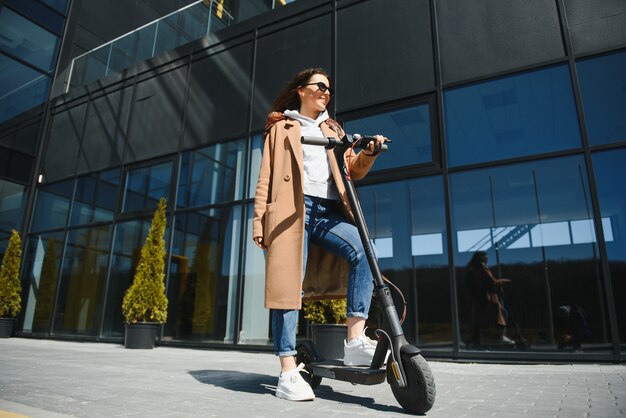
[
  {"x": 82, "y": 280},
  {"x": 603, "y": 90},
  {"x": 256, "y": 146},
  {"x": 12, "y": 205},
  {"x": 103, "y": 138},
  {"x": 145, "y": 42},
  {"x": 53, "y": 203},
  {"x": 21, "y": 88},
  {"x": 409, "y": 129},
  {"x": 212, "y": 175},
  {"x": 146, "y": 185},
  {"x": 123, "y": 52},
  {"x": 41, "y": 266},
  {"x": 402, "y": 218},
  {"x": 181, "y": 28},
  {"x": 514, "y": 116},
  {"x": 527, "y": 218},
  {"x": 95, "y": 198},
  {"x": 27, "y": 40},
  {"x": 65, "y": 133},
  {"x": 255, "y": 319},
  {"x": 58, "y": 5},
  {"x": 203, "y": 275},
  {"x": 609, "y": 169},
  {"x": 95, "y": 64},
  {"x": 129, "y": 239}
]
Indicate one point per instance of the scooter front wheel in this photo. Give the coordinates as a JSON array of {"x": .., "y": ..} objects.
[{"x": 419, "y": 394}]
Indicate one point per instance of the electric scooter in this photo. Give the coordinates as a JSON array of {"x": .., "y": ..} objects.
[{"x": 407, "y": 372}]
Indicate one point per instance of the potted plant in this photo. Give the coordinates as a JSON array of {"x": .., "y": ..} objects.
[
  {"x": 10, "y": 287},
  {"x": 145, "y": 303},
  {"x": 328, "y": 328}
]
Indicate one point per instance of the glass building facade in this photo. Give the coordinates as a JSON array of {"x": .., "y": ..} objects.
[
  {"x": 520, "y": 158},
  {"x": 30, "y": 36}
]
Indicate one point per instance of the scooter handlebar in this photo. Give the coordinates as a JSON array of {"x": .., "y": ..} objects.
[
  {"x": 348, "y": 140},
  {"x": 324, "y": 142}
]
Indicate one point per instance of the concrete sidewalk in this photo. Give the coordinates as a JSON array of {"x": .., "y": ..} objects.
[{"x": 45, "y": 378}]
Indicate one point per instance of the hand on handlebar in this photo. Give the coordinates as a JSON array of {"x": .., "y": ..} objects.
[{"x": 374, "y": 146}]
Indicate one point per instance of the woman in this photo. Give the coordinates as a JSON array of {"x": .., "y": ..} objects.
[
  {"x": 489, "y": 312},
  {"x": 300, "y": 200}
]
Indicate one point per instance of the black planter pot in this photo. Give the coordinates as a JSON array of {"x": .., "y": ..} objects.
[
  {"x": 141, "y": 335},
  {"x": 329, "y": 339},
  {"x": 6, "y": 327}
]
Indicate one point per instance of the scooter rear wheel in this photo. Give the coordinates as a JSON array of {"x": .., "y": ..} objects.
[{"x": 419, "y": 394}]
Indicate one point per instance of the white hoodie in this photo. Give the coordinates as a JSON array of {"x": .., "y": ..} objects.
[{"x": 318, "y": 179}]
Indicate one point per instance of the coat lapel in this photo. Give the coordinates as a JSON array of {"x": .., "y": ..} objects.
[{"x": 293, "y": 133}]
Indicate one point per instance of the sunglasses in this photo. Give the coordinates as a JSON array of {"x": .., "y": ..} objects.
[{"x": 323, "y": 87}]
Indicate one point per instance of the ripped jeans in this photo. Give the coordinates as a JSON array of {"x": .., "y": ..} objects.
[{"x": 325, "y": 226}]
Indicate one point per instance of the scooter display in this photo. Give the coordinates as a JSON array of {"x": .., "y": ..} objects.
[{"x": 406, "y": 371}]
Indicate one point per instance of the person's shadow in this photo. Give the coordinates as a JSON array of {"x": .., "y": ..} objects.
[{"x": 262, "y": 384}]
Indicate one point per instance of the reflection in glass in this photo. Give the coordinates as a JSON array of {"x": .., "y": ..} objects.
[
  {"x": 41, "y": 264},
  {"x": 135, "y": 47},
  {"x": 53, "y": 203},
  {"x": 603, "y": 90},
  {"x": 146, "y": 185},
  {"x": 21, "y": 88},
  {"x": 212, "y": 175},
  {"x": 409, "y": 129},
  {"x": 533, "y": 221},
  {"x": 513, "y": 116},
  {"x": 95, "y": 198},
  {"x": 406, "y": 221},
  {"x": 12, "y": 205},
  {"x": 181, "y": 28},
  {"x": 255, "y": 319},
  {"x": 203, "y": 274},
  {"x": 129, "y": 239},
  {"x": 256, "y": 147},
  {"x": 82, "y": 280},
  {"x": 58, "y": 5},
  {"x": 608, "y": 168},
  {"x": 27, "y": 40}
]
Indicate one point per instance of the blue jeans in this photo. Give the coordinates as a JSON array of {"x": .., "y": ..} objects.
[{"x": 325, "y": 226}]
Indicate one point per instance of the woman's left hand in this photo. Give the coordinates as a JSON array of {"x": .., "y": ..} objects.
[{"x": 374, "y": 146}]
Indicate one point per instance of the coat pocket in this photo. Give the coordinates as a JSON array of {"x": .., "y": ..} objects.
[{"x": 270, "y": 222}]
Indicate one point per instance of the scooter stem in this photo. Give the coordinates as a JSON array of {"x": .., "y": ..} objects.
[{"x": 383, "y": 295}]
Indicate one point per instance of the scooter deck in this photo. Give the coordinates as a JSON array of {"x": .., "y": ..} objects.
[{"x": 334, "y": 369}]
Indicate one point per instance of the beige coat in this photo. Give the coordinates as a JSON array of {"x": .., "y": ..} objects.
[{"x": 279, "y": 219}]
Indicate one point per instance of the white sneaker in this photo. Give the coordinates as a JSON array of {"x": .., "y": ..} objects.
[
  {"x": 293, "y": 387},
  {"x": 359, "y": 351}
]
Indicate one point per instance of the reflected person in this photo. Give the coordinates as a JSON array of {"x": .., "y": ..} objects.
[
  {"x": 489, "y": 314},
  {"x": 574, "y": 325}
]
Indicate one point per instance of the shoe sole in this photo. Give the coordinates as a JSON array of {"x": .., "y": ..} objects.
[{"x": 284, "y": 395}]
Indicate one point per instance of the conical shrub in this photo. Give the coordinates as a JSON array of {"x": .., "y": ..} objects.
[
  {"x": 10, "y": 287},
  {"x": 145, "y": 299}
]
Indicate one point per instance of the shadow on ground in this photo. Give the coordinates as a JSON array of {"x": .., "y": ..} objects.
[{"x": 262, "y": 384}]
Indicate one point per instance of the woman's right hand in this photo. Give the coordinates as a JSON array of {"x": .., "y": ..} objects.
[{"x": 259, "y": 242}]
